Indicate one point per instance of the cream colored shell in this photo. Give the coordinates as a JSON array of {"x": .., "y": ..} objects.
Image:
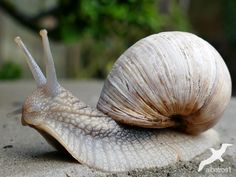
[{"x": 170, "y": 79}]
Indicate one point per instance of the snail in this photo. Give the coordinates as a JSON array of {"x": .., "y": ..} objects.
[{"x": 156, "y": 108}]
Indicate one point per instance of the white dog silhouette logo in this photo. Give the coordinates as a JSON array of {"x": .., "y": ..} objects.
[{"x": 216, "y": 154}]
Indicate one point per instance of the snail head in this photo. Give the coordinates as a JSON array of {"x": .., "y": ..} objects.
[{"x": 35, "y": 107}]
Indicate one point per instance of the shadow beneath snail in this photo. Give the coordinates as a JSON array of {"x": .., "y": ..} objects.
[
  {"x": 32, "y": 153},
  {"x": 57, "y": 156}
]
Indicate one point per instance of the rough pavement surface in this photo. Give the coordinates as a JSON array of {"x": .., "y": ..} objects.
[{"x": 23, "y": 152}]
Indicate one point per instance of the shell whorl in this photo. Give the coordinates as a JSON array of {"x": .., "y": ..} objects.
[{"x": 170, "y": 79}]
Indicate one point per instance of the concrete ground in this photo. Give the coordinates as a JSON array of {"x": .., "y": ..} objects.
[{"x": 23, "y": 152}]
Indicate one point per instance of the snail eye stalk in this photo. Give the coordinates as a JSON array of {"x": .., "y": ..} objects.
[
  {"x": 52, "y": 84},
  {"x": 36, "y": 71}
]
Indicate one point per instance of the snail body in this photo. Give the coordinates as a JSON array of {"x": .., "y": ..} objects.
[{"x": 150, "y": 89}]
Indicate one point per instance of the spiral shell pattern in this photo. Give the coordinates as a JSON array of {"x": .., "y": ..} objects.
[{"x": 169, "y": 79}]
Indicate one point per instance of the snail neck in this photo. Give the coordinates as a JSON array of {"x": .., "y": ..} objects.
[{"x": 68, "y": 110}]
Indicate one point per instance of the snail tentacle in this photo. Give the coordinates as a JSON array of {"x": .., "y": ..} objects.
[
  {"x": 36, "y": 71},
  {"x": 52, "y": 84}
]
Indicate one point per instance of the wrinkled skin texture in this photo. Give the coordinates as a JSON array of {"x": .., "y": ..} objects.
[{"x": 95, "y": 139}]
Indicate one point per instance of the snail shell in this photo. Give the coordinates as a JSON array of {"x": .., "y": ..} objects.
[{"x": 170, "y": 79}]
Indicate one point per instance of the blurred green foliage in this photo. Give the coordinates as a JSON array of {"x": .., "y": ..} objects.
[
  {"x": 106, "y": 28},
  {"x": 103, "y": 28},
  {"x": 230, "y": 20},
  {"x": 101, "y": 18},
  {"x": 10, "y": 70}
]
